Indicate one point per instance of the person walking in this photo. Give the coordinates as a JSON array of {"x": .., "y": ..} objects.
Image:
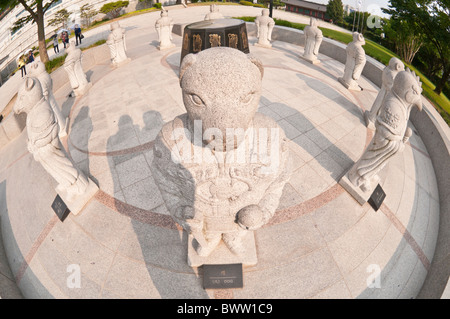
[
  {"x": 55, "y": 44},
  {"x": 30, "y": 57},
  {"x": 22, "y": 65},
  {"x": 63, "y": 38},
  {"x": 77, "y": 33}
]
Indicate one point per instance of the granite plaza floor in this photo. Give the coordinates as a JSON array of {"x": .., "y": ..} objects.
[{"x": 320, "y": 244}]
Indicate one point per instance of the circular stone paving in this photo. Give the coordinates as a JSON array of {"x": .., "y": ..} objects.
[{"x": 320, "y": 244}]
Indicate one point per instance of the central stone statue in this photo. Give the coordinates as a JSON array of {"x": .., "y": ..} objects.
[
  {"x": 313, "y": 40},
  {"x": 264, "y": 26},
  {"x": 221, "y": 167},
  {"x": 74, "y": 69},
  {"x": 213, "y": 13}
]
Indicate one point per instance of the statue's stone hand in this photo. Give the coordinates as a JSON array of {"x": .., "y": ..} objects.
[
  {"x": 408, "y": 134},
  {"x": 251, "y": 217}
]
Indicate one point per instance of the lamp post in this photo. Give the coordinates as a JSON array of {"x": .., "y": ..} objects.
[{"x": 271, "y": 8}]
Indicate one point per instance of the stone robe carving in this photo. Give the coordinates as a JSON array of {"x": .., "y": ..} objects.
[
  {"x": 216, "y": 185},
  {"x": 38, "y": 71},
  {"x": 43, "y": 142},
  {"x": 74, "y": 70},
  {"x": 214, "y": 13},
  {"x": 164, "y": 27},
  {"x": 117, "y": 45},
  {"x": 264, "y": 27},
  {"x": 356, "y": 60},
  {"x": 388, "y": 76},
  {"x": 313, "y": 40},
  {"x": 391, "y": 134}
]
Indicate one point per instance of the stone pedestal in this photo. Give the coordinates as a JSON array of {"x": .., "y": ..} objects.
[
  {"x": 351, "y": 86},
  {"x": 359, "y": 195},
  {"x": 77, "y": 203},
  {"x": 312, "y": 60},
  {"x": 222, "y": 255}
]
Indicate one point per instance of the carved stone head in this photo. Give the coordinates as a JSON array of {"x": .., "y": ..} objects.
[
  {"x": 313, "y": 22},
  {"x": 408, "y": 87},
  {"x": 29, "y": 94},
  {"x": 114, "y": 25},
  {"x": 37, "y": 67},
  {"x": 221, "y": 88},
  {"x": 265, "y": 12},
  {"x": 358, "y": 38},
  {"x": 213, "y": 8},
  {"x": 396, "y": 64},
  {"x": 164, "y": 13}
]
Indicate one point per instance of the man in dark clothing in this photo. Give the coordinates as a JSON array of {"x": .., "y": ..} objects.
[
  {"x": 31, "y": 57},
  {"x": 77, "y": 33}
]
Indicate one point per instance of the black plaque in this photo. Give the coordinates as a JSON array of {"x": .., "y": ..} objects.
[
  {"x": 377, "y": 198},
  {"x": 207, "y": 34},
  {"x": 60, "y": 208},
  {"x": 222, "y": 276}
]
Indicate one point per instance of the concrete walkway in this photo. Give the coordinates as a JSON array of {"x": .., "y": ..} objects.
[{"x": 320, "y": 243}]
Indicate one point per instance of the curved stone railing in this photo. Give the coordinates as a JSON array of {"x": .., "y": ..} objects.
[{"x": 435, "y": 134}]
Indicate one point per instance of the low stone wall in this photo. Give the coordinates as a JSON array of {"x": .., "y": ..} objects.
[{"x": 11, "y": 127}]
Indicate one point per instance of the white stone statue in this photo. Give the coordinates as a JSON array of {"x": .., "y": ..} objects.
[
  {"x": 117, "y": 45},
  {"x": 74, "y": 70},
  {"x": 43, "y": 142},
  {"x": 391, "y": 134},
  {"x": 356, "y": 60},
  {"x": 164, "y": 27},
  {"x": 214, "y": 13},
  {"x": 389, "y": 73},
  {"x": 38, "y": 71},
  {"x": 313, "y": 40},
  {"x": 264, "y": 27},
  {"x": 213, "y": 166}
]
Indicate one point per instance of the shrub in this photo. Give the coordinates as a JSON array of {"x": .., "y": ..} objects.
[
  {"x": 157, "y": 5},
  {"x": 248, "y": 3},
  {"x": 55, "y": 63},
  {"x": 113, "y": 9}
]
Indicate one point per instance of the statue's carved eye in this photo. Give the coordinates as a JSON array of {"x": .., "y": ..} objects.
[
  {"x": 196, "y": 100},
  {"x": 248, "y": 98}
]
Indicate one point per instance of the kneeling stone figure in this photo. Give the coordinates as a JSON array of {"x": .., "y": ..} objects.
[{"x": 221, "y": 188}]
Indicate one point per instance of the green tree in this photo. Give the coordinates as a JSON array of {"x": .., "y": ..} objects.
[
  {"x": 430, "y": 18},
  {"x": 60, "y": 19},
  {"x": 36, "y": 10},
  {"x": 113, "y": 9},
  {"x": 87, "y": 12},
  {"x": 335, "y": 10},
  {"x": 406, "y": 38}
]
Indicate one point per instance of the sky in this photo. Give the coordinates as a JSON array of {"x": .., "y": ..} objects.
[{"x": 368, "y": 5}]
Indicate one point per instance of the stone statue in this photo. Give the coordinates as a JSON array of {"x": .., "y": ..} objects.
[
  {"x": 264, "y": 26},
  {"x": 38, "y": 71},
  {"x": 388, "y": 76},
  {"x": 214, "y": 13},
  {"x": 391, "y": 134},
  {"x": 356, "y": 60},
  {"x": 212, "y": 166},
  {"x": 74, "y": 70},
  {"x": 313, "y": 40},
  {"x": 43, "y": 142},
  {"x": 117, "y": 45},
  {"x": 164, "y": 27}
]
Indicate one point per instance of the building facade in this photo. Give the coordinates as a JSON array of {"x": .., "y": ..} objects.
[{"x": 312, "y": 9}]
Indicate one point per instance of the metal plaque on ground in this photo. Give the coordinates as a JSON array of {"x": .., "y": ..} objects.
[
  {"x": 377, "y": 198},
  {"x": 60, "y": 208},
  {"x": 222, "y": 276}
]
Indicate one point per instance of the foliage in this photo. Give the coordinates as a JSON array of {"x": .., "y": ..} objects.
[
  {"x": 335, "y": 10},
  {"x": 157, "y": 5},
  {"x": 430, "y": 18},
  {"x": 87, "y": 12},
  {"x": 112, "y": 9},
  {"x": 55, "y": 63},
  {"x": 248, "y": 3},
  {"x": 60, "y": 19}
]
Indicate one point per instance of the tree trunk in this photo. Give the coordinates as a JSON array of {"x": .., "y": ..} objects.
[
  {"x": 443, "y": 80},
  {"x": 41, "y": 33}
]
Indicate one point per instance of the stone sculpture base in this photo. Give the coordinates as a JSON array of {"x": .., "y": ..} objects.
[
  {"x": 353, "y": 86},
  {"x": 165, "y": 47},
  {"x": 77, "y": 204},
  {"x": 315, "y": 61},
  {"x": 267, "y": 46},
  {"x": 357, "y": 193},
  {"x": 116, "y": 65},
  {"x": 81, "y": 91},
  {"x": 222, "y": 255},
  {"x": 369, "y": 123}
]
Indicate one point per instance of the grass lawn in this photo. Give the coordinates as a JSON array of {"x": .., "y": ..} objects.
[{"x": 381, "y": 54}]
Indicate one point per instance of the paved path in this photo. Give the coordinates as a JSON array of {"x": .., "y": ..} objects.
[{"x": 320, "y": 244}]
